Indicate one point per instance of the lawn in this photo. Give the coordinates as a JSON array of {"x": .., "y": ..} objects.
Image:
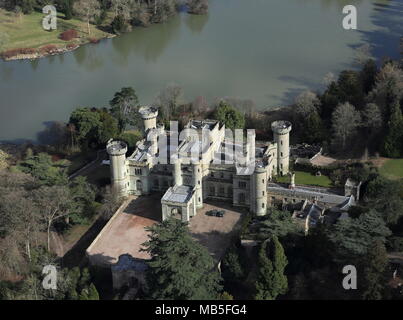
[
  {"x": 392, "y": 169},
  {"x": 307, "y": 178},
  {"x": 26, "y": 31}
]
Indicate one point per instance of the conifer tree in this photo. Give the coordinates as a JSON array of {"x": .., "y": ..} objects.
[
  {"x": 180, "y": 268},
  {"x": 271, "y": 280},
  {"x": 374, "y": 280}
]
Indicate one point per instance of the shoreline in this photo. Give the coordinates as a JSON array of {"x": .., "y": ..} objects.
[{"x": 38, "y": 54}]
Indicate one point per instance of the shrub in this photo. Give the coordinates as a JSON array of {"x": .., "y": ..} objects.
[
  {"x": 15, "y": 52},
  {"x": 48, "y": 49},
  {"x": 69, "y": 35}
]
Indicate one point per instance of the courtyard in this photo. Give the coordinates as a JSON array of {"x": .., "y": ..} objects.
[{"x": 125, "y": 232}]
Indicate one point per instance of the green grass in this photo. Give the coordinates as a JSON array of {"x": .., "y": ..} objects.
[
  {"x": 307, "y": 178},
  {"x": 392, "y": 169},
  {"x": 25, "y": 31}
]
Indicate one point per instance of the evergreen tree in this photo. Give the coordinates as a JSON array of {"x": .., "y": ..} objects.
[
  {"x": 375, "y": 263},
  {"x": 271, "y": 280},
  {"x": 228, "y": 115},
  {"x": 393, "y": 145},
  {"x": 180, "y": 268},
  {"x": 124, "y": 107}
]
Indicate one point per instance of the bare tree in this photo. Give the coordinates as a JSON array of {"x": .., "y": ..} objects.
[
  {"x": 345, "y": 121},
  {"x": 371, "y": 117},
  {"x": 53, "y": 203},
  {"x": 111, "y": 202},
  {"x": 169, "y": 99},
  {"x": 87, "y": 10},
  {"x": 306, "y": 103}
]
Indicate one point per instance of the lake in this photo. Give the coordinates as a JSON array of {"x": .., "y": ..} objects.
[{"x": 264, "y": 50}]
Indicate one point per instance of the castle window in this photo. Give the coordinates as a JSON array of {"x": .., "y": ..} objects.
[
  {"x": 262, "y": 193},
  {"x": 229, "y": 191},
  {"x": 281, "y": 165},
  {"x": 222, "y": 175},
  {"x": 281, "y": 142},
  {"x": 281, "y": 154},
  {"x": 241, "y": 198},
  {"x": 221, "y": 191},
  {"x": 137, "y": 171},
  {"x": 212, "y": 191},
  {"x": 242, "y": 184},
  {"x": 263, "y": 205},
  {"x": 212, "y": 174},
  {"x": 262, "y": 180},
  {"x": 199, "y": 199},
  {"x": 198, "y": 182}
]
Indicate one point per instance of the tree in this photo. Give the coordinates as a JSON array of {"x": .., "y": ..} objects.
[
  {"x": 307, "y": 103},
  {"x": 124, "y": 107},
  {"x": 53, "y": 203},
  {"x": 197, "y": 6},
  {"x": 353, "y": 236},
  {"x": 108, "y": 128},
  {"x": 277, "y": 223},
  {"x": 229, "y": 116},
  {"x": 87, "y": 10},
  {"x": 383, "y": 195},
  {"x": 375, "y": 263},
  {"x": 371, "y": 117},
  {"x": 46, "y": 171},
  {"x": 86, "y": 123},
  {"x": 314, "y": 129},
  {"x": 180, "y": 268},
  {"x": 233, "y": 266},
  {"x": 345, "y": 121},
  {"x": 393, "y": 142},
  {"x": 271, "y": 280},
  {"x": 169, "y": 99}
]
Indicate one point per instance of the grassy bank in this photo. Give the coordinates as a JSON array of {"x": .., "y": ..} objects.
[{"x": 26, "y": 31}]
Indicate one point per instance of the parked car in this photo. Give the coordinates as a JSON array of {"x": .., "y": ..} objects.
[
  {"x": 220, "y": 213},
  {"x": 212, "y": 213}
]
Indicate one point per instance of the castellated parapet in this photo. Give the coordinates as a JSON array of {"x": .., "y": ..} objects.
[
  {"x": 149, "y": 115},
  {"x": 281, "y": 130}
]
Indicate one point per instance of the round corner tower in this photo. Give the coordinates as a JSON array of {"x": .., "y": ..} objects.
[
  {"x": 259, "y": 191},
  {"x": 117, "y": 156},
  {"x": 149, "y": 115},
  {"x": 281, "y": 130}
]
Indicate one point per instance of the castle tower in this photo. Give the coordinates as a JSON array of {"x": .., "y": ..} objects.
[
  {"x": 117, "y": 155},
  {"x": 178, "y": 172},
  {"x": 281, "y": 130},
  {"x": 149, "y": 116},
  {"x": 198, "y": 184},
  {"x": 259, "y": 183}
]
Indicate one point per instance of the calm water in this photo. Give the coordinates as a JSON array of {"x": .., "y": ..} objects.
[{"x": 264, "y": 50}]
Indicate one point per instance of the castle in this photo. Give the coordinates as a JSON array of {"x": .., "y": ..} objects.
[{"x": 192, "y": 177}]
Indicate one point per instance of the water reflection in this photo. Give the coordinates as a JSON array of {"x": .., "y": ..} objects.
[
  {"x": 196, "y": 23},
  {"x": 148, "y": 45}
]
